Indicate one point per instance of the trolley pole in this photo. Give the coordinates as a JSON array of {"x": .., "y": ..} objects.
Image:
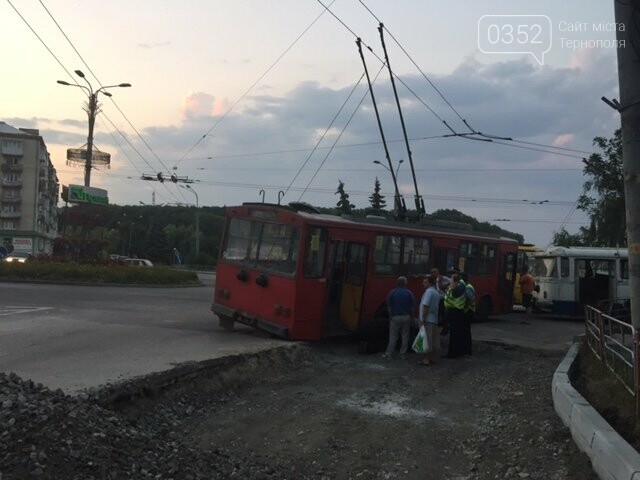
[{"x": 629, "y": 108}]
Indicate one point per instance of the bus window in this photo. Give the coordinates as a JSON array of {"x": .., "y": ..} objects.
[
  {"x": 416, "y": 255},
  {"x": 564, "y": 267},
  {"x": 478, "y": 258},
  {"x": 242, "y": 241},
  {"x": 278, "y": 248},
  {"x": 356, "y": 261},
  {"x": 315, "y": 247},
  {"x": 546, "y": 267},
  {"x": 386, "y": 256},
  {"x": 624, "y": 269}
]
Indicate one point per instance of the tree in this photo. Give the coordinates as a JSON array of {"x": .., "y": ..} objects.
[
  {"x": 344, "y": 205},
  {"x": 376, "y": 200},
  {"x": 603, "y": 194},
  {"x": 566, "y": 239}
]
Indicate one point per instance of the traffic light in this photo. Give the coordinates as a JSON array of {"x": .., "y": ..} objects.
[
  {"x": 160, "y": 177},
  {"x": 174, "y": 179}
]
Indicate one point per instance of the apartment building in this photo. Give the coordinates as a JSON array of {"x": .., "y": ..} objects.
[{"x": 28, "y": 191}]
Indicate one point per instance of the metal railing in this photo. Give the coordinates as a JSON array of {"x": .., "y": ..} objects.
[{"x": 612, "y": 341}]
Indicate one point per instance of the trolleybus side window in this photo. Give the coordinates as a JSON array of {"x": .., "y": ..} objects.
[
  {"x": 315, "y": 247},
  {"x": 478, "y": 258},
  {"x": 546, "y": 267},
  {"x": 386, "y": 256},
  {"x": 624, "y": 269},
  {"x": 416, "y": 255},
  {"x": 564, "y": 267}
]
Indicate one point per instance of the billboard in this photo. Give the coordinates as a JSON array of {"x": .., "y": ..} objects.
[{"x": 82, "y": 194}]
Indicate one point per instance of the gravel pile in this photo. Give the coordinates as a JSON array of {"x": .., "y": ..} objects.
[{"x": 46, "y": 434}]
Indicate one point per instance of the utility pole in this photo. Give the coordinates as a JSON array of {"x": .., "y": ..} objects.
[{"x": 629, "y": 108}]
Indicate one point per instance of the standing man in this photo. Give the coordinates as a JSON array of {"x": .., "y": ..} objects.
[
  {"x": 429, "y": 307},
  {"x": 527, "y": 284},
  {"x": 469, "y": 312},
  {"x": 441, "y": 283},
  {"x": 400, "y": 305},
  {"x": 454, "y": 303}
]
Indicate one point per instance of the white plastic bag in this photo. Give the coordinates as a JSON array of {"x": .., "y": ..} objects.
[{"x": 421, "y": 342}]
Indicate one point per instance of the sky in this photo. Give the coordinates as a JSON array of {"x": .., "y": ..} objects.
[{"x": 240, "y": 96}]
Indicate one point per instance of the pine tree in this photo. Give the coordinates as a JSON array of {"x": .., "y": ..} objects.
[
  {"x": 344, "y": 205},
  {"x": 376, "y": 200}
]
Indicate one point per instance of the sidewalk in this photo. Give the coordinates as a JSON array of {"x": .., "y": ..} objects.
[
  {"x": 541, "y": 332},
  {"x": 612, "y": 458}
]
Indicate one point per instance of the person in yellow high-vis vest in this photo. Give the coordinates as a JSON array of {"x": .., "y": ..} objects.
[
  {"x": 454, "y": 305},
  {"x": 469, "y": 312}
]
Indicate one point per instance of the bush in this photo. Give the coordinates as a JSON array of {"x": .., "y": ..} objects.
[{"x": 73, "y": 272}]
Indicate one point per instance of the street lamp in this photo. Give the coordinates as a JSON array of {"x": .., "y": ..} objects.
[
  {"x": 397, "y": 168},
  {"x": 92, "y": 110},
  {"x": 197, "y": 218}
]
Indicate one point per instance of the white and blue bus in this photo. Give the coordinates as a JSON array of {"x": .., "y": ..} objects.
[{"x": 569, "y": 278}]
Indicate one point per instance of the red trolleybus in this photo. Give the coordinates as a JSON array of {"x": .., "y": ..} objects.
[{"x": 303, "y": 275}]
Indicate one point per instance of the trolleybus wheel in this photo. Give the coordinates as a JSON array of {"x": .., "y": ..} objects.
[
  {"x": 484, "y": 309},
  {"x": 226, "y": 322}
]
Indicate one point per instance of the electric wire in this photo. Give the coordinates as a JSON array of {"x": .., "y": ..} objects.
[
  {"x": 355, "y": 110},
  {"x": 333, "y": 120},
  {"x": 110, "y": 98},
  {"x": 449, "y": 104},
  {"x": 383, "y": 63},
  {"x": 264, "y": 74},
  {"x": 43, "y": 43}
]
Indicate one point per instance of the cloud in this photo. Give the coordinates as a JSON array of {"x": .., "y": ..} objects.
[
  {"x": 150, "y": 46},
  {"x": 267, "y": 141},
  {"x": 199, "y": 105}
]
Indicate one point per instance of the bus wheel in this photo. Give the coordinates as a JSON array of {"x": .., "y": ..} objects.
[
  {"x": 484, "y": 309},
  {"x": 226, "y": 322}
]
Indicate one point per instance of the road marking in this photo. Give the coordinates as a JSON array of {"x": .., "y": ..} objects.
[{"x": 13, "y": 310}]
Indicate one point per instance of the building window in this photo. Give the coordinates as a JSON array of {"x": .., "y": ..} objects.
[{"x": 8, "y": 225}]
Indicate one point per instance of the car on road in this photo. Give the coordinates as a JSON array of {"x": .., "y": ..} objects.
[
  {"x": 18, "y": 257},
  {"x": 138, "y": 262}
]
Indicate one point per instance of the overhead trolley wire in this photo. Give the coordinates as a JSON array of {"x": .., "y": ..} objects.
[
  {"x": 355, "y": 110},
  {"x": 110, "y": 98},
  {"x": 333, "y": 120},
  {"x": 264, "y": 74},
  {"x": 472, "y": 131}
]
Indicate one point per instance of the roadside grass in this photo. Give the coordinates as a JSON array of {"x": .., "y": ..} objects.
[
  {"x": 80, "y": 273},
  {"x": 607, "y": 395}
]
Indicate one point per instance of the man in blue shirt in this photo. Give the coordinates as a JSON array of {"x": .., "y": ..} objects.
[{"x": 400, "y": 305}]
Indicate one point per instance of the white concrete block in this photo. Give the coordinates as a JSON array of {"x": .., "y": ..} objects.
[
  {"x": 585, "y": 422},
  {"x": 564, "y": 399},
  {"x": 613, "y": 458}
]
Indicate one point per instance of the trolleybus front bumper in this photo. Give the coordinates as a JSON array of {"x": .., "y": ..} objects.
[{"x": 250, "y": 320}]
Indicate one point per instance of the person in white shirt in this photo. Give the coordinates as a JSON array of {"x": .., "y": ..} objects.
[{"x": 429, "y": 307}]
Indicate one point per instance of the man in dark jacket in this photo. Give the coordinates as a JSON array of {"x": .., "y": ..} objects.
[{"x": 400, "y": 305}]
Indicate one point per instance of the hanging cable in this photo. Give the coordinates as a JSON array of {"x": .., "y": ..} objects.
[{"x": 264, "y": 74}]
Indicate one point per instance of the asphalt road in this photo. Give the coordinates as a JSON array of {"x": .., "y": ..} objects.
[{"x": 76, "y": 337}]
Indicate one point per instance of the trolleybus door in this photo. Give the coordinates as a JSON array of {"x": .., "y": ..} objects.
[{"x": 346, "y": 285}]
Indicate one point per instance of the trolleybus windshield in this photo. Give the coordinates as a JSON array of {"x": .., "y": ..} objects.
[{"x": 256, "y": 243}]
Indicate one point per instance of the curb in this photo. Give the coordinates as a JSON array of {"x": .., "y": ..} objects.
[{"x": 611, "y": 456}]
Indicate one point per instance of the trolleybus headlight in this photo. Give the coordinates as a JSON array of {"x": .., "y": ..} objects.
[
  {"x": 262, "y": 280},
  {"x": 242, "y": 276}
]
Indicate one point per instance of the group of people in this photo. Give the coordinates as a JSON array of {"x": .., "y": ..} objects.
[{"x": 454, "y": 294}]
